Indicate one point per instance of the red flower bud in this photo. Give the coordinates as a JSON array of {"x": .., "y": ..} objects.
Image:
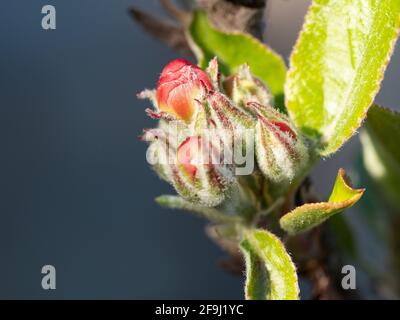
[{"x": 180, "y": 84}]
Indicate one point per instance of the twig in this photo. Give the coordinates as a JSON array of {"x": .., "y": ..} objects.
[
  {"x": 231, "y": 16},
  {"x": 172, "y": 35},
  {"x": 178, "y": 14}
]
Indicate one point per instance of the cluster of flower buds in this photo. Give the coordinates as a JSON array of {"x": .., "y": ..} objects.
[{"x": 205, "y": 122}]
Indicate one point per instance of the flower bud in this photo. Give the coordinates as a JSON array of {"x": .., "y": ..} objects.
[
  {"x": 180, "y": 84},
  {"x": 225, "y": 122},
  {"x": 243, "y": 88},
  {"x": 194, "y": 168},
  {"x": 281, "y": 152},
  {"x": 227, "y": 114},
  {"x": 201, "y": 176}
]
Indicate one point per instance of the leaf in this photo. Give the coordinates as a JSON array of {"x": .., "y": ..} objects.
[
  {"x": 270, "y": 272},
  {"x": 310, "y": 215},
  {"x": 381, "y": 152},
  {"x": 234, "y": 49},
  {"x": 212, "y": 214},
  {"x": 337, "y": 65}
]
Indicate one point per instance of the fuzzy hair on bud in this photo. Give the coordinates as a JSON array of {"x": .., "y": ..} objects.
[
  {"x": 199, "y": 168},
  {"x": 243, "y": 88},
  {"x": 213, "y": 72},
  {"x": 281, "y": 152}
]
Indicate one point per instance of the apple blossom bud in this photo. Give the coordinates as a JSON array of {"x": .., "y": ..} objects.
[
  {"x": 281, "y": 152},
  {"x": 201, "y": 176},
  {"x": 243, "y": 88},
  {"x": 180, "y": 84},
  {"x": 194, "y": 168},
  {"x": 225, "y": 121},
  {"x": 227, "y": 114}
]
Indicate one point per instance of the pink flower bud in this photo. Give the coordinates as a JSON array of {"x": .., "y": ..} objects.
[
  {"x": 180, "y": 84},
  {"x": 187, "y": 152},
  {"x": 199, "y": 175},
  {"x": 196, "y": 152}
]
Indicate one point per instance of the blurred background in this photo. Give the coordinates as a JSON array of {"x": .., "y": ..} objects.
[{"x": 75, "y": 189}]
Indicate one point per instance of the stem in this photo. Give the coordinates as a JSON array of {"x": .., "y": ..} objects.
[
  {"x": 212, "y": 214},
  {"x": 299, "y": 179},
  {"x": 271, "y": 208}
]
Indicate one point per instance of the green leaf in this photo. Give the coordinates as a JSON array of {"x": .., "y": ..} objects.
[
  {"x": 381, "y": 152},
  {"x": 337, "y": 65},
  {"x": 270, "y": 272},
  {"x": 235, "y": 49},
  {"x": 212, "y": 214},
  {"x": 310, "y": 215}
]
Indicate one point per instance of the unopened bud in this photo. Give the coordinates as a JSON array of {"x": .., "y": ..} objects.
[
  {"x": 280, "y": 150},
  {"x": 180, "y": 84},
  {"x": 200, "y": 175},
  {"x": 243, "y": 88}
]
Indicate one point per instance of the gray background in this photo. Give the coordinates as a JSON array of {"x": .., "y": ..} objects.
[{"x": 75, "y": 189}]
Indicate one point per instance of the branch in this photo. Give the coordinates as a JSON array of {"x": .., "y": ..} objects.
[
  {"x": 236, "y": 15},
  {"x": 174, "y": 12},
  {"x": 170, "y": 34}
]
